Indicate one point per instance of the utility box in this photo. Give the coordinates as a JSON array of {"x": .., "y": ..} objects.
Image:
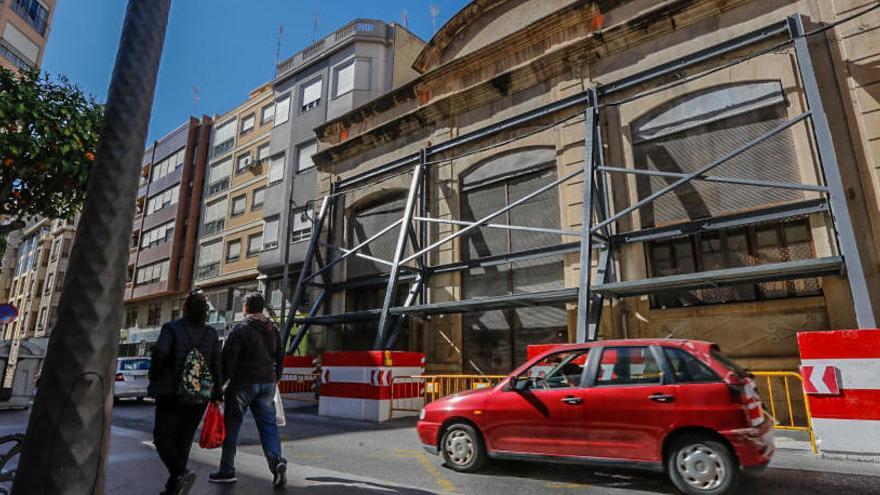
[{"x": 30, "y": 360}]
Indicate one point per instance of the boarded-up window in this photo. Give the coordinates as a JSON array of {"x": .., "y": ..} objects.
[
  {"x": 695, "y": 130},
  {"x": 364, "y": 224},
  {"x": 773, "y": 242},
  {"x": 495, "y": 341}
]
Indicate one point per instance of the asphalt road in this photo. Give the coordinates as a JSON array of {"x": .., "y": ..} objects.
[{"x": 348, "y": 457}]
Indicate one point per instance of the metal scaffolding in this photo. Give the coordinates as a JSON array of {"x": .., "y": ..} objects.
[{"x": 597, "y": 241}]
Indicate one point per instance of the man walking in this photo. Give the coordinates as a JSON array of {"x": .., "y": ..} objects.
[{"x": 253, "y": 360}]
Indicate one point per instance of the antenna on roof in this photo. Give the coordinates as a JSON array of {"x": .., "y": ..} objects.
[
  {"x": 435, "y": 11},
  {"x": 278, "y": 44},
  {"x": 404, "y": 18},
  {"x": 315, "y": 26}
]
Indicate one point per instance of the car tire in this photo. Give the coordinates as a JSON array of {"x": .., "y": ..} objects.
[
  {"x": 701, "y": 465},
  {"x": 462, "y": 448}
]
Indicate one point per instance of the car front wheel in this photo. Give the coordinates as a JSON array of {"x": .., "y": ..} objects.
[
  {"x": 463, "y": 448},
  {"x": 702, "y": 466}
]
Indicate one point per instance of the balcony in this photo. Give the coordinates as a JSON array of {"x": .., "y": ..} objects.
[
  {"x": 223, "y": 147},
  {"x": 218, "y": 186},
  {"x": 213, "y": 227},
  {"x": 208, "y": 271},
  {"x": 358, "y": 27}
]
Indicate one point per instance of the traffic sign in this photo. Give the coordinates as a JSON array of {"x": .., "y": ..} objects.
[
  {"x": 821, "y": 380},
  {"x": 8, "y": 313}
]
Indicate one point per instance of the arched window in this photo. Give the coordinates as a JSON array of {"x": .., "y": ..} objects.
[
  {"x": 691, "y": 132},
  {"x": 495, "y": 341},
  {"x": 696, "y": 129},
  {"x": 367, "y": 222}
]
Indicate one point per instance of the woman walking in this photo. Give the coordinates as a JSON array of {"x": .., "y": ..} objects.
[{"x": 185, "y": 374}]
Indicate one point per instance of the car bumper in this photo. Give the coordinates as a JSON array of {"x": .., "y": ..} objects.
[
  {"x": 754, "y": 446},
  {"x": 428, "y": 435}
]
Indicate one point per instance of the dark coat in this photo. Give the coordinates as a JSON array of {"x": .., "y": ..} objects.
[
  {"x": 253, "y": 352},
  {"x": 176, "y": 339}
]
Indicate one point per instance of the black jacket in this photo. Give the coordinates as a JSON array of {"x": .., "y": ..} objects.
[
  {"x": 176, "y": 339},
  {"x": 253, "y": 352}
]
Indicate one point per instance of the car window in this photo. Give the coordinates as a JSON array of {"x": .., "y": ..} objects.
[
  {"x": 134, "y": 365},
  {"x": 687, "y": 368},
  {"x": 559, "y": 370},
  {"x": 728, "y": 363},
  {"x": 628, "y": 366}
]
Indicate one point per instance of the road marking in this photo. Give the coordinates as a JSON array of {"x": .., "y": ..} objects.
[
  {"x": 426, "y": 463},
  {"x": 565, "y": 486}
]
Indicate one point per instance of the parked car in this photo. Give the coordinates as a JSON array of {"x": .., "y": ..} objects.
[
  {"x": 131, "y": 378},
  {"x": 674, "y": 406}
]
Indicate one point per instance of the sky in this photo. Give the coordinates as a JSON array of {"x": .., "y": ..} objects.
[{"x": 225, "y": 48}]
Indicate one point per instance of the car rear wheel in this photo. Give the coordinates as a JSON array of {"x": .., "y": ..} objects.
[
  {"x": 702, "y": 466},
  {"x": 463, "y": 448}
]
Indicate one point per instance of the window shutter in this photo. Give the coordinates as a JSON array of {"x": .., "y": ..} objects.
[
  {"x": 311, "y": 92},
  {"x": 276, "y": 169},
  {"x": 345, "y": 78}
]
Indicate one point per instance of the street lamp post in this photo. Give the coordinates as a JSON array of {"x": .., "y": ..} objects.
[{"x": 68, "y": 435}]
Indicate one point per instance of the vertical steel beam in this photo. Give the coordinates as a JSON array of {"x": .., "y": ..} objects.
[
  {"x": 583, "y": 303},
  {"x": 317, "y": 226},
  {"x": 840, "y": 214},
  {"x": 405, "y": 226},
  {"x": 68, "y": 434},
  {"x": 414, "y": 292},
  {"x": 285, "y": 250}
]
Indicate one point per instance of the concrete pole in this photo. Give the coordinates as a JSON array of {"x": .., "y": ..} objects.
[{"x": 68, "y": 437}]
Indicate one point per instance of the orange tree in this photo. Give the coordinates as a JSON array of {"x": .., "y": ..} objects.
[{"x": 48, "y": 135}]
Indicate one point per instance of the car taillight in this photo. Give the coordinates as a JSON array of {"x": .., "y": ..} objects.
[{"x": 120, "y": 377}]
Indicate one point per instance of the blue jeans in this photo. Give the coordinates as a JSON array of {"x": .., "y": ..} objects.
[{"x": 260, "y": 398}]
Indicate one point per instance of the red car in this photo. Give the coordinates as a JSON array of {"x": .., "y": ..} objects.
[{"x": 678, "y": 406}]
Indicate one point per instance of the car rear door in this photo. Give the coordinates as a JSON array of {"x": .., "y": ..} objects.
[
  {"x": 541, "y": 414},
  {"x": 629, "y": 405}
]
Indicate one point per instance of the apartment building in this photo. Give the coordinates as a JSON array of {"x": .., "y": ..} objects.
[
  {"x": 230, "y": 236},
  {"x": 34, "y": 266},
  {"x": 24, "y": 30},
  {"x": 163, "y": 241},
  {"x": 506, "y": 116},
  {"x": 354, "y": 64}
]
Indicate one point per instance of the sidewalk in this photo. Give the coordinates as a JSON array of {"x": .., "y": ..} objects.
[{"x": 134, "y": 469}]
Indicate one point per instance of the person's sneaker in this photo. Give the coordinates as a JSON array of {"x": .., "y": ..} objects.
[
  {"x": 220, "y": 477},
  {"x": 280, "y": 479},
  {"x": 185, "y": 482}
]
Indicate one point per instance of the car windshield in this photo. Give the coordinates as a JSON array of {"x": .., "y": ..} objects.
[{"x": 134, "y": 365}]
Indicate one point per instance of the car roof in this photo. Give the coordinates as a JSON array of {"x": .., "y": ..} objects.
[{"x": 632, "y": 342}]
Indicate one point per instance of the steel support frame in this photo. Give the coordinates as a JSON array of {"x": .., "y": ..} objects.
[{"x": 598, "y": 236}]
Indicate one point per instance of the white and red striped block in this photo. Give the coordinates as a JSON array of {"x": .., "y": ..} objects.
[
  {"x": 358, "y": 384},
  {"x": 841, "y": 371},
  {"x": 296, "y": 381}
]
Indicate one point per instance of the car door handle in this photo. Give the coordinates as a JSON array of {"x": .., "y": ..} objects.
[
  {"x": 573, "y": 400},
  {"x": 662, "y": 398}
]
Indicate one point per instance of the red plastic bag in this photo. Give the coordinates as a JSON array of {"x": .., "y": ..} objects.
[{"x": 213, "y": 428}]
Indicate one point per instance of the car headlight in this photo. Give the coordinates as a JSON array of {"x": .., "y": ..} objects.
[{"x": 422, "y": 414}]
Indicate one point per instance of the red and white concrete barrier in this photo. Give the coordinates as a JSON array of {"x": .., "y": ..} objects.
[
  {"x": 299, "y": 381},
  {"x": 841, "y": 372},
  {"x": 358, "y": 384}
]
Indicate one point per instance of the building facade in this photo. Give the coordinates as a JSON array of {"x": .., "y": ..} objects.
[
  {"x": 24, "y": 30},
  {"x": 33, "y": 270},
  {"x": 353, "y": 65},
  {"x": 231, "y": 226},
  {"x": 664, "y": 110},
  {"x": 164, "y": 238}
]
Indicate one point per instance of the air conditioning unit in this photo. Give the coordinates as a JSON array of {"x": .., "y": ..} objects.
[{"x": 249, "y": 162}]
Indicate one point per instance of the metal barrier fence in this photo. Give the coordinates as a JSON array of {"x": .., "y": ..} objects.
[
  {"x": 782, "y": 393},
  {"x": 303, "y": 387},
  {"x": 409, "y": 394}
]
